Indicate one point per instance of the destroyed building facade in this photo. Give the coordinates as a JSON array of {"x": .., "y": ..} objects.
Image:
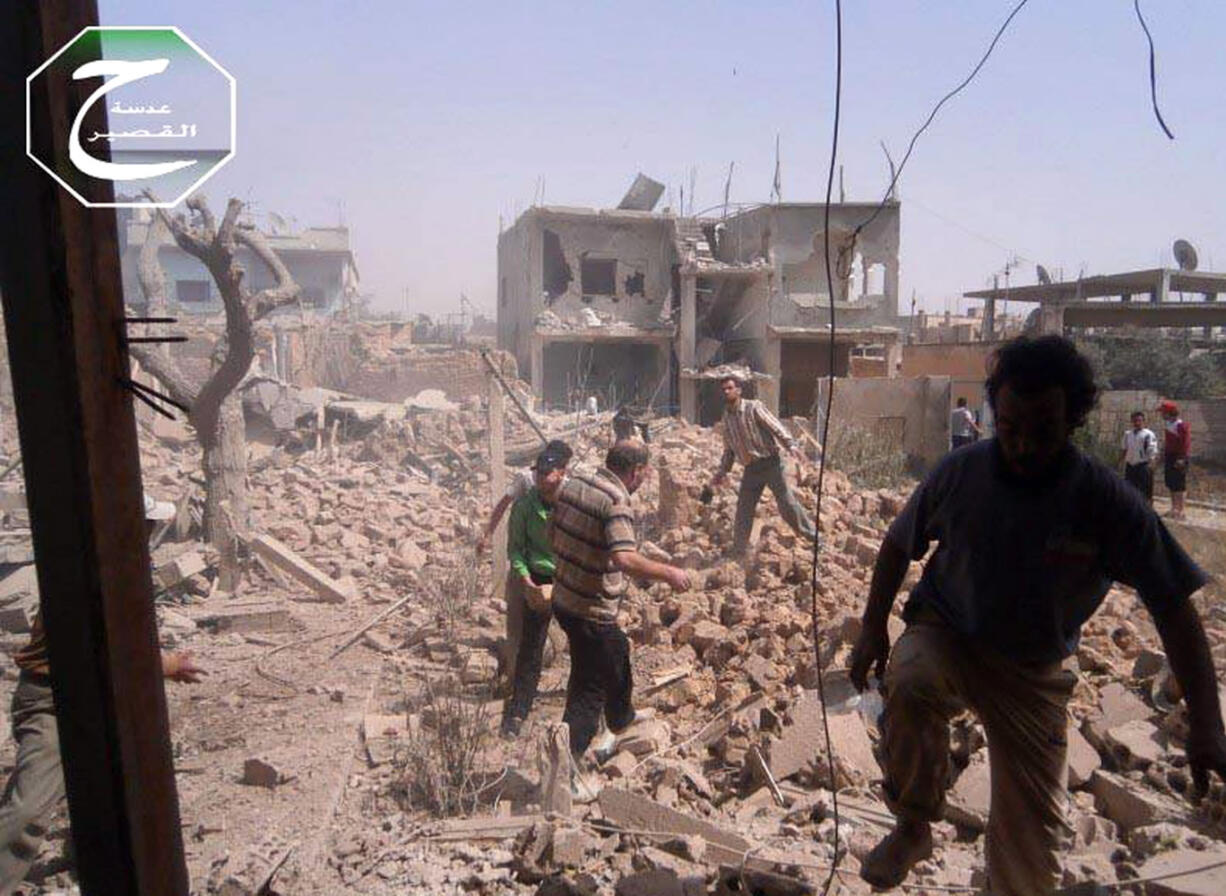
[
  {"x": 319, "y": 259},
  {"x": 643, "y": 308}
]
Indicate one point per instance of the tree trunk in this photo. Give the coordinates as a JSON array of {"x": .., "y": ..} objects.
[{"x": 225, "y": 469}]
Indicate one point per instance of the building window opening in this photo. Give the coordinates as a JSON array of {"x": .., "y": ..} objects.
[
  {"x": 598, "y": 276},
  {"x": 192, "y": 291}
]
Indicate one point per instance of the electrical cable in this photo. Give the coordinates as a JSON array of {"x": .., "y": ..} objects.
[
  {"x": 1153, "y": 76},
  {"x": 933, "y": 114},
  {"x": 821, "y": 465}
]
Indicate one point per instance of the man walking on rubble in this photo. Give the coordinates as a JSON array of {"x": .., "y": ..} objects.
[
  {"x": 754, "y": 436},
  {"x": 36, "y": 785},
  {"x": 519, "y": 486},
  {"x": 529, "y": 584},
  {"x": 1030, "y": 533},
  {"x": 594, "y": 546}
]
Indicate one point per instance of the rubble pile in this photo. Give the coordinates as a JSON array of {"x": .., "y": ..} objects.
[{"x": 726, "y": 787}]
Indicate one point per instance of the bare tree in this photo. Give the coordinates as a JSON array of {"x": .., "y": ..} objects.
[{"x": 216, "y": 411}]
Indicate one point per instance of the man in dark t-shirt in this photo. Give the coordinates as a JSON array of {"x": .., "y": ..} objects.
[{"x": 1030, "y": 533}]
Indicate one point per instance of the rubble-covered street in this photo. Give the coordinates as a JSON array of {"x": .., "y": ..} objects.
[{"x": 322, "y": 756}]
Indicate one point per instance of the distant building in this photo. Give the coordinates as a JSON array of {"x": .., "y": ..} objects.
[
  {"x": 319, "y": 259},
  {"x": 1160, "y": 297},
  {"x": 638, "y": 307}
]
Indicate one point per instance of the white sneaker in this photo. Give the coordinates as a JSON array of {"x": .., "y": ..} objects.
[{"x": 582, "y": 788}]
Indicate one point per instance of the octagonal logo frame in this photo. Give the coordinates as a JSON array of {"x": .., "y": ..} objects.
[{"x": 106, "y": 51}]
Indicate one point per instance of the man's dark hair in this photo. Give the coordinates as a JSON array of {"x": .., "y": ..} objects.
[
  {"x": 560, "y": 449},
  {"x": 626, "y": 456},
  {"x": 732, "y": 378},
  {"x": 1031, "y": 365},
  {"x": 961, "y": 402},
  {"x": 1140, "y": 414}
]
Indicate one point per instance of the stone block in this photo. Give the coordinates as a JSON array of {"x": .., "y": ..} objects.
[
  {"x": 1129, "y": 804},
  {"x": 1083, "y": 759}
]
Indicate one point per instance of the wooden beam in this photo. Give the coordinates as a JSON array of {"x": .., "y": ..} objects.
[{"x": 63, "y": 307}]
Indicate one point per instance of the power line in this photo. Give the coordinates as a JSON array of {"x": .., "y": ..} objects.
[
  {"x": 933, "y": 114},
  {"x": 1153, "y": 75},
  {"x": 821, "y": 466}
]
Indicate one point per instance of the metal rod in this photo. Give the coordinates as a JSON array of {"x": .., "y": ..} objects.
[
  {"x": 150, "y": 320},
  {"x": 485, "y": 356},
  {"x": 141, "y": 387},
  {"x": 131, "y": 339},
  {"x": 149, "y": 401}
]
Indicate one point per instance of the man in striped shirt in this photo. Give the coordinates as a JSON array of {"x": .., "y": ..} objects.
[
  {"x": 591, "y": 531},
  {"x": 754, "y": 436}
]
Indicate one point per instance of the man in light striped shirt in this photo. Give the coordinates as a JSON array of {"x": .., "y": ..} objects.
[{"x": 754, "y": 436}]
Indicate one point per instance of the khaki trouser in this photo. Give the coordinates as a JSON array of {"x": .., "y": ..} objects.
[
  {"x": 36, "y": 785},
  {"x": 934, "y": 674}
]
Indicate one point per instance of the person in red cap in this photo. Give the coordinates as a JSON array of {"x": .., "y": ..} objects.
[{"x": 1176, "y": 449}]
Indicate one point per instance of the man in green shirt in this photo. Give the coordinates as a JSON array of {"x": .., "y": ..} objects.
[{"x": 530, "y": 582}]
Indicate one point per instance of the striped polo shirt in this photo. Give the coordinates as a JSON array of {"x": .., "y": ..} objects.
[
  {"x": 751, "y": 432},
  {"x": 591, "y": 520}
]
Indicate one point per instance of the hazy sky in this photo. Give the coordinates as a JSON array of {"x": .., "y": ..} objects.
[{"x": 422, "y": 124}]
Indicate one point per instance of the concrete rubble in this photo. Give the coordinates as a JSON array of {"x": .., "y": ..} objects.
[{"x": 377, "y": 770}]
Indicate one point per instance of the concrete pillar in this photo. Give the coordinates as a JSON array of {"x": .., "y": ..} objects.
[
  {"x": 891, "y": 286},
  {"x": 863, "y": 276},
  {"x": 689, "y": 399},
  {"x": 687, "y": 345},
  {"x": 893, "y": 359},
  {"x": 538, "y": 366},
  {"x": 1207, "y": 331},
  {"x": 989, "y": 319},
  {"x": 1051, "y": 318},
  {"x": 1126, "y": 297},
  {"x": 1162, "y": 289},
  {"x": 772, "y": 362}
]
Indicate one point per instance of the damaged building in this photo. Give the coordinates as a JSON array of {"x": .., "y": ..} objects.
[
  {"x": 318, "y": 258},
  {"x": 640, "y": 307}
]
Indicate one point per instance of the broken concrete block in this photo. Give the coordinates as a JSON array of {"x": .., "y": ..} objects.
[
  {"x": 970, "y": 799},
  {"x": 633, "y": 811},
  {"x": 265, "y": 621},
  {"x": 383, "y": 735},
  {"x": 760, "y": 671},
  {"x": 378, "y": 641},
  {"x": 558, "y": 885},
  {"x": 276, "y": 554},
  {"x": 705, "y": 634},
  {"x": 620, "y": 765},
  {"x": 556, "y": 766},
  {"x": 1119, "y": 705},
  {"x": 654, "y": 858},
  {"x": 803, "y": 741},
  {"x": 648, "y": 736},
  {"x": 1083, "y": 759},
  {"x": 659, "y": 882},
  {"x": 735, "y": 880},
  {"x": 1152, "y": 839},
  {"x": 570, "y": 847},
  {"x": 1148, "y": 664},
  {"x": 181, "y": 567},
  {"x": 1202, "y": 883},
  {"x": 1135, "y": 744},
  {"x": 260, "y": 773},
  {"x": 1129, "y": 805}
]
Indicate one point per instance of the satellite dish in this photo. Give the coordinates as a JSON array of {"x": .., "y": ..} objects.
[
  {"x": 1041, "y": 273},
  {"x": 1185, "y": 255}
]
